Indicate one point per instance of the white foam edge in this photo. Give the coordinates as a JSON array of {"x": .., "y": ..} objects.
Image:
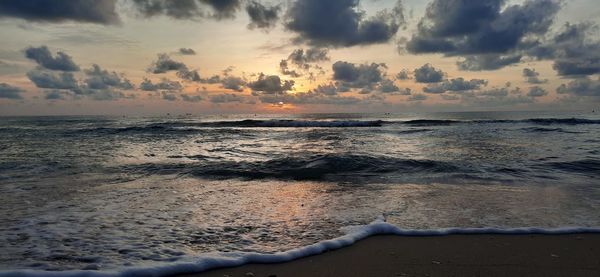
[{"x": 355, "y": 233}]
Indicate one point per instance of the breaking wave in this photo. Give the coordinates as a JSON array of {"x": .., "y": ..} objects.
[{"x": 196, "y": 264}]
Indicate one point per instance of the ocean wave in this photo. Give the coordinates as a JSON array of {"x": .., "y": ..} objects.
[
  {"x": 194, "y": 127},
  {"x": 546, "y": 130},
  {"x": 196, "y": 264},
  {"x": 311, "y": 167},
  {"x": 585, "y": 166}
]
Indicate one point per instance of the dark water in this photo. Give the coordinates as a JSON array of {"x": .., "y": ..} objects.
[{"x": 111, "y": 192}]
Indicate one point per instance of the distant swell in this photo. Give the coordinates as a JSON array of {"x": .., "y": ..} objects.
[
  {"x": 283, "y": 123},
  {"x": 193, "y": 127}
]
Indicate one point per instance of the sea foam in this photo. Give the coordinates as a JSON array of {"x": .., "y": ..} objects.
[{"x": 354, "y": 234}]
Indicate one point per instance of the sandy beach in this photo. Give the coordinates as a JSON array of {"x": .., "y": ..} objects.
[{"x": 453, "y": 255}]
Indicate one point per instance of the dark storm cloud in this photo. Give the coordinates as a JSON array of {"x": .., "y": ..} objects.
[
  {"x": 428, "y": 74},
  {"x": 43, "y": 57},
  {"x": 532, "y": 76},
  {"x": 488, "y": 34},
  {"x": 358, "y": 76},
  {"x": 487, "y": 62},
  {"x": 89, "y": 11},
  {"x": 458, "y": 84},
  {"x": 164, "y": 84},
  {"x": 182, "y": 9},
  {"x": 261, "y": 16},
  {"x": 10, "y": 92},
  {"x": 187, "y": 51},
  {"x": 223, "y": 8},
  {"x": 536, "y": 92},
  {"x": 98, "y": 78},
  {"x": 463, "y": 27},
  {"x": 575, "y": 50},
  {"x": 51, "y": 80},
  {"x": 270, "y": 84},
  {"x": 340, "y": 23},
  {"x": 187, "y": 9},
  {"x": 581, "y": 87}
]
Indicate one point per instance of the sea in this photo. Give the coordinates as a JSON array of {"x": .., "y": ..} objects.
[{"x": 134, "y": 196}]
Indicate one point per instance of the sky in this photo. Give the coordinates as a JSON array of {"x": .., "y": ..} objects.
[{"x": 152, "y": 57}]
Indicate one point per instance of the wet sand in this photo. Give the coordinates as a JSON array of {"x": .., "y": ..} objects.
[{"x": 453, "y": 255}]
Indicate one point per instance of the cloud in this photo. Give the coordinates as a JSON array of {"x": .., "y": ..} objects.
[
  {"x": 488, "y": 34},
  {"x": 169, "y": 96},
  {"x": 187, "y": 51},
  {"x": 164, "y": 84},
  {"x": 582, "y": 87},
  {"x": 191, "y": 98},
  {"x": 428, "y": 74},
  {"x": 358, "y": 76},
  {"x": 261, "y": 16},
  {"x": 417, "y": 97},
  {"x": 329, "y": 89},
  {"x": 233, "y": 83},
  {"x": 99, "y": 84},
  {"x": 340, "y": 23},
  {"x": 532, "y": 76},
  {"x": 496, "y": 97},
  {"x": 226, "y": 98},
  {"x": 98, "y": 79},
  {"x": 87, "y": 11},
  {"x": 223, "y": 8},
  {"x": 302, "y": 61},
  {"x": 164, "y": 63},
  {"x": 459, "y": 27},
  {"x": 285, "y": 69},
  {"x": 10, "y": 92},
  {"x": 574, "y": 51},
  {"x": 270, "y": 84},
  {"x": 187, "y": 9},
  {"x": 403, "y": 75},
  {"x": 487, "y": 62},
  {"x": 455, "y": 85},
  {"x": 536, "y": 91},
  {"x": 388, "y": 86},
  {"x": 190, "y": 75},
  {"x": 56, "y": 95},
  {"x": 51, "y": 80},
  {"x": 301, "y": 57},
  {"x": 43, "y": 57}
]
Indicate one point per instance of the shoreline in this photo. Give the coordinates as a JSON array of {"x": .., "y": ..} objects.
[{"x": 449, "y": 255}]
